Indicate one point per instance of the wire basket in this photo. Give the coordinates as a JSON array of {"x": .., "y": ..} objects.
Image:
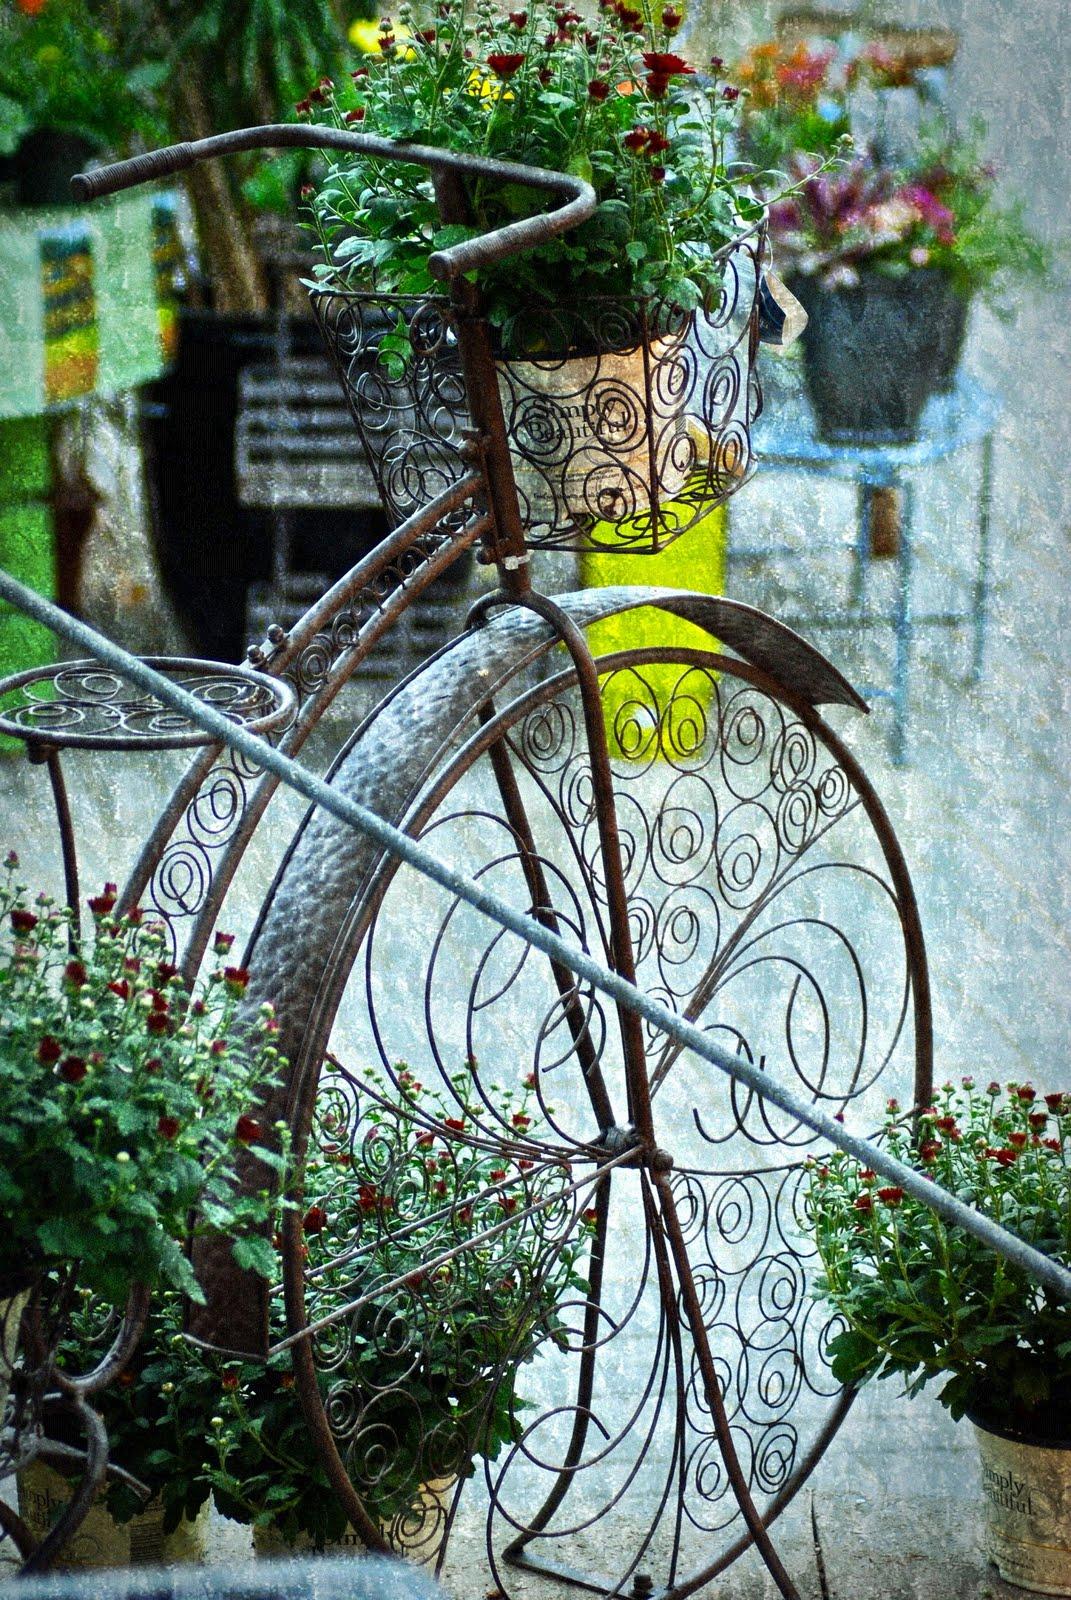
[{"x": 628, "y": 420}]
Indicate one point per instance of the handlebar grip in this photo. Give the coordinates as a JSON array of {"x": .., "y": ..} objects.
[{"x": 127, "y": 174}]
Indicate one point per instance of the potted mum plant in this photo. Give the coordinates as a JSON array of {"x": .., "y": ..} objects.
[
  {"x": 428, "y": 1372},
  {"x": 156, "y": 1418},
  {"x": 886, "y": 254},
  {"x": 592, "y": 328},
  {"x": 924, "y": 1301},
  {"x": 121, "y": 1104}
]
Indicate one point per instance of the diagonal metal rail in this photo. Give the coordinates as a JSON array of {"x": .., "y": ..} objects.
[{"x": 1041, "y": 1267}]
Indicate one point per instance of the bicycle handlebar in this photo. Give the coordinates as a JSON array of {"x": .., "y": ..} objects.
[{"x": 577, "y": 197}]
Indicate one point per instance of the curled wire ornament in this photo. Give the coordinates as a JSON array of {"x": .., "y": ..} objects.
[{"x": 760, "y": 903}]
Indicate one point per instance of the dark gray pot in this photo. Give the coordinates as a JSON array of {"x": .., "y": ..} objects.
[{"x": 872, "y": 354}]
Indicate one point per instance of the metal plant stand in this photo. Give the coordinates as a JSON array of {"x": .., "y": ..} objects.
[
  {"x": 684, "y": 814},
  {"x": 886, "y": 479}
]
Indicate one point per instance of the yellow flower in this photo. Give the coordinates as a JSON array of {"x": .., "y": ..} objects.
[
  {"x": 484, "y": 86},
  {"x": 364, "y": 36}
]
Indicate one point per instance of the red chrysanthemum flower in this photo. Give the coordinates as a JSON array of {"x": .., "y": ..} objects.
[
  {"x": 1057, "y": 1103},
  {"x": 664, "y": 64},
  {"x": 23, "y": 921},
  {"x": 315, "y": 1220},
  {"x": 636, "y": 140},
  {"x": 864, "y": 1202},
  {"x": 355, "y": 115},
  {"x": 158, "y": 1023},
  {"x": 504, "y": 63},
  {"x": 598, "y": 89},
  {"x": 672, "y": 19},
  {"x": 236, "y": 979},
  {"x": 891, "y": 1196},
  {"x": 457, "y": 1123},
  {"x": 247, "y": 1130},
  {"x": 167, "y": 1127},
  {"x": 1017, "y": 1139},
  {"x": 1026, "y": 1093},
  {"x": 72, "y": 1069},
  {"x": 75, "y": 974},
  {"x": 49, "y": 1050}
]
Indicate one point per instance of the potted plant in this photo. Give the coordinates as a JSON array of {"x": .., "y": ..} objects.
[
  {"x": 593, "y": 328},
  {"x": 428, "y": 1370},
  {"x": 923, "y": 1300},
  {"x": 886, "y": 253},
  {"x": 156, "y": 1418},
  {"x": 122, "y": 1103}
]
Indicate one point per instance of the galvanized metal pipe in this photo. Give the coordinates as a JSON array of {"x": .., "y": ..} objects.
[{"x": 1041, "y": 1267}]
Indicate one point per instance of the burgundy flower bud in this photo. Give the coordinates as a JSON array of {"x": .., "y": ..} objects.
[{"x": 72, "y": 1069}]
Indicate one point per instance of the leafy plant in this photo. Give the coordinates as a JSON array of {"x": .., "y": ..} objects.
[
  {"x": 66, "y": 66},
  {"x": 156, "y": 1414},
  {"x": 941, "y": 209},
  {"x": 922, "y": 1299},
  {"x": 122, "y": 1101},
  {"x": 607, "y": 99},
  {"x": 428, "y": 1364}
]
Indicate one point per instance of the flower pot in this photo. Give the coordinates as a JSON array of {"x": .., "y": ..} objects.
[
  {"x": 1027, "y": 1489},
  {"x": 12, "y": 1305},
  {"x": 597, "y": 437},
  {"x": 951, "y": 335},
  {"x": 101, "y": 1541},
  {"x": 186, "y": 1545},
  {"x": 872, "y": 353},
  {"x": 417, "y": 1534}
]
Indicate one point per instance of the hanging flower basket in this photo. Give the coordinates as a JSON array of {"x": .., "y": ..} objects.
[{"x": 633, "y": 414}]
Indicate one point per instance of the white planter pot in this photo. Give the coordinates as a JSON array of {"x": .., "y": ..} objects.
[
  {"x": 585, "y": 431},
  {"x": 11, "y": 1308},
  {"x": 101, "y": 1541},
  {"x": 1027, "y": 1490},
  {"x": 418, "y": 1534},
  {"x": 186, "y": 1545}
]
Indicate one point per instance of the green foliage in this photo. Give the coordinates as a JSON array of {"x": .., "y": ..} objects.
[
  {"x": 922, "y": 1299},
  {"x": 70, "y": 66},
  {"x": 426, "y": 1368},
  {"x": 611, "y": 102},
  {"x": 122, "y": 1103},
  {"x": 940, "y": 209},
  {"x": 156, "y": 1414}
]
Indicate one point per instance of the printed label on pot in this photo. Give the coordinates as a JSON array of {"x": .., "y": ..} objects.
[{"x": 1027, "y": 1493}]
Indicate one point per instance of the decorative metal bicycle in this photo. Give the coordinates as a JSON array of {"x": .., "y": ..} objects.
[{"x": 685, "y": 813}]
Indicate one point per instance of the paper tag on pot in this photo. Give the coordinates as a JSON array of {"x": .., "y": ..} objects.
[{"x": 781, "y": 317}]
